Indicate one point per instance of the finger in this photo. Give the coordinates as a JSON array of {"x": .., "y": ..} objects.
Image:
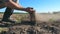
[{"x": 29, "y": 7}]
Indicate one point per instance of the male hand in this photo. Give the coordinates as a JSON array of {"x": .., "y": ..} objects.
[{"x": 30, "y": 10}]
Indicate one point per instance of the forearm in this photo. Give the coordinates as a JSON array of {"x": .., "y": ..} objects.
[
  {"x": 14, "y": 5},
  {"x": 17, "y": 7},
  {"x": 22, "y": 9}
]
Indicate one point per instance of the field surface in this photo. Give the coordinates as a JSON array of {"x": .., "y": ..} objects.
[{"x": 45, "y": 23}]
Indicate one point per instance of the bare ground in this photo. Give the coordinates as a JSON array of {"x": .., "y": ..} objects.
[{"x": 44, "y": 24}]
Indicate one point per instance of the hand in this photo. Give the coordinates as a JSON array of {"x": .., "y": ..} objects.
[{"x": 30, "y": 10}]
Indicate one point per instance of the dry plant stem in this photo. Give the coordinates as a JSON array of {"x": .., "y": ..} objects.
[{"x": 32, "y": 17}]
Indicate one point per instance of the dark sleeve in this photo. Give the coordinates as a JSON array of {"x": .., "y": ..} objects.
[{"x": 15, "y": 0}]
